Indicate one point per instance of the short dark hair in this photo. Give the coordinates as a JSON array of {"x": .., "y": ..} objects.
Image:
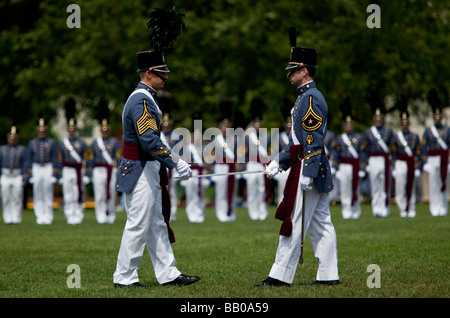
[{"x": 311, "y": 71}]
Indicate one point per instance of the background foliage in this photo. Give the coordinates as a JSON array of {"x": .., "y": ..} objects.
[{"x": 230, "y": 51}]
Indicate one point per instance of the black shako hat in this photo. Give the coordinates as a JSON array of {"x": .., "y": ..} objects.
[
  {"x": 151, "y": 61},
  {"x": 300, "y": 56}
]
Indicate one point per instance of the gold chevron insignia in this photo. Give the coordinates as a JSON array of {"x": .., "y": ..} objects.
[
  {"x": 146, "y": 121},
  {"x": 311, "y": 121}
]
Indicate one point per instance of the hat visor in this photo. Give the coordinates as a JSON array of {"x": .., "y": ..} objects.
[
  {"x": 291, "y": 66},
  {"x": 159, "y": 68}
]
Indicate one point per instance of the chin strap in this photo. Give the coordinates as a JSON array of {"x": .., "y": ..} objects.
[
  {"x": 159, "y": 75},
  {"x": 292, "y": 71}
]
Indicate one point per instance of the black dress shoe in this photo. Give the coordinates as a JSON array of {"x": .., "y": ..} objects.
[
  {"x": 137, "y": 284},
  {"x": 269, "y": 281},
  {"x": 182, "y": 280},
  {"x": 326, "y": 282}
]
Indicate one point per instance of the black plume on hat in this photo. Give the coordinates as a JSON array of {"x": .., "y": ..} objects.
[
  {"x": 257, "y": 108},
  {"x": 70, "y": 108},
  {"x": 102, "y": 111},
  {"x": 433, "y": 100},
  {"x": 346, "y": 108},
  {"x": 286, "y": 107},
  {"x": 375, "y": 101},
  {"x": 225, "y": 110},
  {"x": 166, "y": 27},
  {"x": 402, "y": 106},
  {"x": 292, "y": 36}
]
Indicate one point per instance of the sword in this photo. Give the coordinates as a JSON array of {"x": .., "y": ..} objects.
[
  {"x": 303, "y": 227},
  {"x": 224, "y": 174}
]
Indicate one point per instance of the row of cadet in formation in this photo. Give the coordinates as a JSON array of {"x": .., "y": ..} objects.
[
  {"x": 71, "y": 163},
  {"x": 373, "y": 157},
  {"x": 379, "y": 158}
]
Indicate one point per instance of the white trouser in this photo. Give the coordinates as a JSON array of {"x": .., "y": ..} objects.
[
  {"x": 256, "y": 192},
  {"x": 12, "y": 196},
  {"x": 105, "y": 209},
  {"x": 400, "y": 174},
  {"x": 43, "y": 192},
  {"x": 145, "y": 226},
  {"x": 281, "y": 179},
  {"x": 377, "y": 187},
  {"x": 221, "y": 194},
  {"x": 345, "y": 177},
  {"x": 73, "y": 210},
  {"x": 438, "y": 199},
  {"x": 195, "y": 206},
  {"x": 321, "y": 233}
]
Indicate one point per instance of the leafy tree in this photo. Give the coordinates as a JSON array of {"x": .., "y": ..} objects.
[{"x": 231, "y": 50}]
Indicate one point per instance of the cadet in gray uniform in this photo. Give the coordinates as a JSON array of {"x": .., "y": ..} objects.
[
  {"x": 142, "y": 177},
  {"x": 14, "y": 175},
  {"x": 436, "y": 145},
  {"x": 71, "y": 159},
  {"x": 309, "y": 180},
  {"x": 43, "y": 171},
  {"x": 102, "y": 170}
]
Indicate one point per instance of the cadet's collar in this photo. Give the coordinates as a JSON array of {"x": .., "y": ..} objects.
[
  {"x": 305, "y": 87},
  {"x": 148, "y": 88}
]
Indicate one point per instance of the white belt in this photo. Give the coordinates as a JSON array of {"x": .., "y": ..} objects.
[
  {"x": 11, "y": 172},
  {"x": 39, "y": 165}
]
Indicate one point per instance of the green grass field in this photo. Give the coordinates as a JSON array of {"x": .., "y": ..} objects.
[{"x": 413, "y": 255}]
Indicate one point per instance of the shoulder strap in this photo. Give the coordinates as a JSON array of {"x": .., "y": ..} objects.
[
  {"x": 380, "y": 140},
  {"x": 349, "y": 144},
  {"x": 403, "y": 141},
  {"x": 72, "y": 151}
]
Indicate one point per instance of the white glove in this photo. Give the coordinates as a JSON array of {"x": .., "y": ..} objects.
[
  {"x": 417, "y": 173},
  {"x": 361, "y": 174},
  {"x": 31, "y": 180},
  {"x": 305, "y": 182},
  {"x": 53, "y": 180},
  {"x": 86, "y": 180},
  {"x": 183, "y": 169},
  {"x": 338, "y": 174},
  {"x": 206, "y": 182},
  {"x": 394, "y": 173},
  {"x": 272, "y": 169},
  {"x": 426, "y": 168}
]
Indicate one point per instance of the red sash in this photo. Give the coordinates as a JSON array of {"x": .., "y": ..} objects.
[
  {"x": 355, "y": 177},
  {"x": 286, "y": 206},
  {"x": 444, "y": 163},
  {"x": 108, "y": 177},
  {"x": 134, "y": 152},
  {"x": 164, "y": 181},
  {"x": 410, "y": 163}
]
